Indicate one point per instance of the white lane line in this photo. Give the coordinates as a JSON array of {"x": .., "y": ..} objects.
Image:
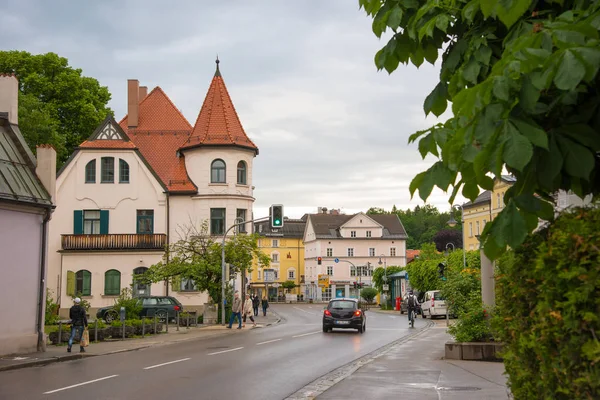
[
  {"x": 224, "y": 351},
  {"x": 306, "y": 334},
  {"x": 79, "y": 384},
  {"x": 304, "y": 311},
  {"x": 167, "y": 363},
  {"x": 268, "y": 341}
]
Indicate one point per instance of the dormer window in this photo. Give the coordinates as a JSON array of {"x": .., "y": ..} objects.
[
  {"x": 241, "y": 173},
  {"x": 353, "y": 234},
  {"x": 368, "y": 234},
  {"x": 217, "y": 171},
  {"x": 90, "y": 172}
]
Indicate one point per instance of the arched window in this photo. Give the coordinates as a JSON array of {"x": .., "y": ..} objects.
[
  {"x": 112, "y": 282},
  {"x": 123, "y": 171},
  {"x": 241, "y": 173},
  {"x": 83, "y": 283},
  {"x": 90, "y": 172},
  {"x": 217, "y": 171},
  {"x": 140, "y": 289}
]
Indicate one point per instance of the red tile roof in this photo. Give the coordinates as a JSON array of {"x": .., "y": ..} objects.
[
  {"x": 158, "y": 113},
  {"x": 411, "y": 254},
  {"x": 218, "y": 122},
  {"x": 107, "y": 144}
]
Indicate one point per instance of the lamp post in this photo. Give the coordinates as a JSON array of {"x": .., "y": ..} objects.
[
  {"x": 452, "y": 223},
  {"x": 236, "y": 223},
  {"x": 384, "y": 275}
]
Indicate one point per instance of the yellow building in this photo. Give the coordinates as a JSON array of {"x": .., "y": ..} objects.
[
  {"x": 286, "y": 248},
  {"x": 486, "y": 207}
]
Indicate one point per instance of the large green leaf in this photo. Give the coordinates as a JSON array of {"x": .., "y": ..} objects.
[
  {"x": 509, "y": 11},
  {"x": 427, "y": 145},
  {"x": 531, "y": 131},
  {"x": 502, "y": 88},
  {"x": 514, "y": 228},
  {"x": 437, "y": 101},
  {"x": 579, "y": 160},
  {"x": 550, "y": 164},
  {"x": 570, "y": 72},
  {"x": 471, "y": 71},
  {"x": 395, "y": 17},
  {"x": 470, "y": 10},
  {"x": 518, "y": 150},
  {"x": 529, "y": 95}
]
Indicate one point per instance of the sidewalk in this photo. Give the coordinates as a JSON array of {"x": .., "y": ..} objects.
[
  {"x": 415, "y": 369},
  {"x": 59, "y": 353}
]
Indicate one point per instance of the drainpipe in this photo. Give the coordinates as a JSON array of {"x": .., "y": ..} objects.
[
  {"x": 168, "y": 242},
  {"x": 41, "y": 345}
]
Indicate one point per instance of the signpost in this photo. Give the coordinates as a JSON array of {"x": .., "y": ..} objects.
[{"x": 386, "y": 287}]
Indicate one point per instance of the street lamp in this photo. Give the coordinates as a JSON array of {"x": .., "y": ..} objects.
[
  {"x": 448, "y": 244},
  {"x": 384, "y": 275},
  {"x": 452, "y": 224},
  {"x": 236, "y": 223}
]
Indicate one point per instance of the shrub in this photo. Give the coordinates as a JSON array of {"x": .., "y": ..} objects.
[
  {"x": 51, "y": 316},
  {"x": 132, "y": 305},
  {"x": 368, "y": 294},
  {"x": 472, "y": 324},
  {"x": 548, "y": 310}
]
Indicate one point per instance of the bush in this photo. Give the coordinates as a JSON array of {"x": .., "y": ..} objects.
[
  {"x": 472, "y": 324},
  {"x": 51, "y": 316},
  {"x": 548, "y": 310},
  {"x": 132, "y": 305},
  {"x": 368, "y": 294}
]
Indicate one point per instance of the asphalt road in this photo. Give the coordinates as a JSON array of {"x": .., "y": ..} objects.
[{"x": 267, "y": 363}]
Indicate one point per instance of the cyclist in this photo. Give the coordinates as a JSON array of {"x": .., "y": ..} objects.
[{"x": 413, "y": 304}]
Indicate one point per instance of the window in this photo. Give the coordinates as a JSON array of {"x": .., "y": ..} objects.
[
  {"x": 123, "y": 171},
  {"x": 112, "y": 282},
  {"x": 477, "y": 227},
  {"x": 91, "y": 222},
  {"x": 369, "y": 234},
  {"x": 107, "y": 173},
  {"x": 327, "y": 294},
  {"x": 140, "y": 289},
  {"x": 83, "y": 283},
  {"x": 372, "y": 252},
  {"x": 241, "y": 173},
  {"x": 275, "y": 243},
  {"x": 188, "y": 285},
  {"x": 291, "y": 273},
  {"x": 258, "y": 274},
  {"x": 145, "y": 222},
  {"x": 502, "y": 199},
  {"x": 275, "y": 257},
  {"x": 217, "y": 221},
  {"x": 392, "y": 252},
  {"x": 330, "y": 270},
  {"x": 90, "y": 172},
  {"x": 352, "y": 233},
  {"x": 217, "y": 171},
  {"x": 497, "y": 200},
  {"x": 241, "y": 215},
  {"x": 350, "y": 252},
  {"x": 329, "y": 252},
  {"x": 470, "y": 229},
  {"x": 352, "y": 270}
]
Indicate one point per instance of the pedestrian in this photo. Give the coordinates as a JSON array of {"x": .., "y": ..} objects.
[
  {"x": 78, "y": 323},
  {"x": 255, "y": 304},
  {"x": 265, "y": 305},
  {"x": 236, "y": 310},
  {"x": 248, "y": 312}
]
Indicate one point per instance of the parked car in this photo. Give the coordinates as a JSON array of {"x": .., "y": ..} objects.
[
  {"x": 344, "y": 313},
  {"x": 162, "y": 306},
  {"x": 404, "y": 306},
  {"x": 433, "y": 304}
]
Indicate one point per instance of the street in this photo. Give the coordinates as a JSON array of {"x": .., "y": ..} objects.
[{"x": 268, "y": 363}]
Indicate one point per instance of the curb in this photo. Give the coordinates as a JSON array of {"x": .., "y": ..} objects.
[{"x": 45, "y": 361}]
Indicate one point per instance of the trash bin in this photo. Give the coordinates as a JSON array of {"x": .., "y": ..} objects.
[{"x": 398, "y": 300}]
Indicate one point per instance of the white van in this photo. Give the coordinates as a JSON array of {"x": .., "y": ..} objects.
[{"x": 433, "y": 304}]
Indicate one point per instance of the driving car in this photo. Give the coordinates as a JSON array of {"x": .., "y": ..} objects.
[
  {"x": 344, "y": 313},
  {"x": 404, "y": 306},
  {"x": 162, "y": 306},
  {"x": 433, "y": 304}
]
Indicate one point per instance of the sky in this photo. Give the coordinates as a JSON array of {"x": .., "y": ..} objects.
[{"x": 332, "y": 131}]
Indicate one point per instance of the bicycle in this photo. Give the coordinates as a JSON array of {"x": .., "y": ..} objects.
[{"x": 411, "y": 318}]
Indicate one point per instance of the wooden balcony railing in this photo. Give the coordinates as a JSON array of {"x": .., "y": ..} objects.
[{"x": 122, "y": 241}]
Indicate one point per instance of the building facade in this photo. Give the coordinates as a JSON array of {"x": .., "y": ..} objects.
[
  {"x": 341, "y": 250},
  {"x": 141, "y": 183}
]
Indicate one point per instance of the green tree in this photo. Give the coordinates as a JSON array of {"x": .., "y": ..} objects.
[
  {"x": 288, "y": 285},
  {"x": 522, "y": 78},
  {"x": 368, "y": 294},
  {"x": 423, "y": 272},
  {"x": 57, "y": 105},
  {"x": 197, "y": 256},
  {"x": 380, "y": 272}
]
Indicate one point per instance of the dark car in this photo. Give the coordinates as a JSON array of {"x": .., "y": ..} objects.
[
  {"x": 162, "y": 306},
  {"x": 404, "y": 306},
  {"x": 344, "y": 313}
]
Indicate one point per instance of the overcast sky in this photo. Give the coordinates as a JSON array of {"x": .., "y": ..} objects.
[{"x": 332, "y": 131}]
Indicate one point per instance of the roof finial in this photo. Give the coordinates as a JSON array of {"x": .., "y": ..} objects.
[{"x": 217, "y": 72}]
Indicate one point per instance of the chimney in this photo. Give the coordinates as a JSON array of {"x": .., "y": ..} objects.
[
  {"x": 133, "y": 102},
  {"x": 9, "y": 97},
  {"x": 46, "y": 168},
  {"x": 142, "y": 93}
]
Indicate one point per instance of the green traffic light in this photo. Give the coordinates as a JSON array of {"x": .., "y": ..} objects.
[{"x": 277, "y": 222}]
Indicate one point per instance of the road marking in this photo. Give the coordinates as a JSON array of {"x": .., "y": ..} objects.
[
  {"x": 392, "y": 316},
  {"x": 306, "y": 334},
  {"x": 268, "y": 341},
  {"x": 167, "y": 363},
  {"x": 304, "y": 311},
  {"x": 224, "y": 351},
  {"x": 79, "y": 384}
]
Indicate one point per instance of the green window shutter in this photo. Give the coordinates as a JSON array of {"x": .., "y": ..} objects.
[
  {"x": 112, "y": 282},
  {"x": 70, "y": 283},
  {"x": 77, "y": 222},
  {"x": 176, "y": 283},
  {"x": 87, "y": 284},
  {"x": 104, "y": 222}
]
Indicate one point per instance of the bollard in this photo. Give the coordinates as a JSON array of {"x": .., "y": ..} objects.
[
  {"x": 447, "y": 317},
  {"x": 177, "y": 313},
  {"x": 143, "y": 326},
  {"x": 96, "y": 331},
  {"x": 155, "y": 327},
  {"x": 167, "y": 323},
  {"x": 188, "y": 322},
  {"x": 123, "y": 324},
  {"x": 59, "y": 332}
]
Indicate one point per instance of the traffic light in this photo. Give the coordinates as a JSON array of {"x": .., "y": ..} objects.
[
  {"x": 277, "y": 216},
  {"x": 354, "y": 284},
  {"x": 319, "y": 260},
  {"x": 441, "y": 269}
]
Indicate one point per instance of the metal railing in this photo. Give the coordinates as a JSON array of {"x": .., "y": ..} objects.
[{"x": 120, "y": 241}]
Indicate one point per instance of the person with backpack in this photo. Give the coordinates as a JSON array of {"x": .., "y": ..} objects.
[{"x": 413, "y": 304}]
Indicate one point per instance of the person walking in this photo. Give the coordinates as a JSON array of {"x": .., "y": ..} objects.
[
  {"x": 78, "y": 323},
  {"x": 236, "y": 310},
  {"x": 265, "y": 305},
  {"x": 248, "y": 310},
  {"x": 255, "y": 304}
]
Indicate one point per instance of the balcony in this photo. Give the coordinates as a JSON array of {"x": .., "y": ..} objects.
[{"x": 123, "y": 241}]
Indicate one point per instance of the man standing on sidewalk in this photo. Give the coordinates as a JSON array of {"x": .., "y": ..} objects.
[
  {"x": 255, "y": 304},
  {"x": 236, "y": 310},
  {"x": 78, "y": 323}
]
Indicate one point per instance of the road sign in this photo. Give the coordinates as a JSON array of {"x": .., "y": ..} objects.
[
  {"x": 324, "y": 280},
  {"x": 386, "y": 288},
  {"x": 276, "y": 285},
  {"x": 406, "y": 276},
  {"x": 336, "y": 260}
]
